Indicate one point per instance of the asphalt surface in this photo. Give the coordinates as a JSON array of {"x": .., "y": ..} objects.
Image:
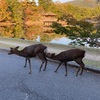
[{"x": 17, "y": 84}]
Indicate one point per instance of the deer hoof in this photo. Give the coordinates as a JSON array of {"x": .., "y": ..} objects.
[
  {"x": 55, "y": 71},
  {"x": 29, "y": 72},
  {"x": 76, "y": 75},
  {"x": 81, "y": 73},
  {"x": 43, "y": 69},
  {"x": 66, "y": 75}
]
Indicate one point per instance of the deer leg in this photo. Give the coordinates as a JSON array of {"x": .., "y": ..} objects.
[
  {"x": 66, "y": 68},
  {"x": 30, "y": 65},
  {"x": 41, "y": 66},
  {"x": 25, "y": 62},
  {"x": 77, "y": 72},
  {"x": 45, "y": 65},
  {"x": 43, "y": 58},
  {"x": 58, "y": 66},
  {"x": 80, "y": 62},
  {"x": 82, "y": 68}
]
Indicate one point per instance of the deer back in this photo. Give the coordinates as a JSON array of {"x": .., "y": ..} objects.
[
  {"x": 34, "y": 49},
  {"x": 68, "y": 55},
  {"x": 74, "y": 54}
]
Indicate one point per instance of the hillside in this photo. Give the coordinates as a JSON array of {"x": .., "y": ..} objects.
[{"x": 86, "y": 3}]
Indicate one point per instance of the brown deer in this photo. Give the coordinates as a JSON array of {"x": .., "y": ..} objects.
[
  {"x": 69, "y": 55},
  {"x": 31, "y": 51}
]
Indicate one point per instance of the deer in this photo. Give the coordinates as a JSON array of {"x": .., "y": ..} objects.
[
  {"x": 29, "y": 52},
  {"x": 69, "y": 55}
]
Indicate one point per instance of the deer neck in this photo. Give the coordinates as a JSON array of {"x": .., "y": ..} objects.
[
  {"x": 19, "y": 53},
  {"x": 56, "y": 57}
]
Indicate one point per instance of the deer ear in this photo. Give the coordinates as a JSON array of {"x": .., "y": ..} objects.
[
  {"x": 10, "y": 48},
  {"x": 17, "y": 47}
]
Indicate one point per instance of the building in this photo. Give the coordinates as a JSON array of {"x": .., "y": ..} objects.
[{"x": 48, "y": 19}]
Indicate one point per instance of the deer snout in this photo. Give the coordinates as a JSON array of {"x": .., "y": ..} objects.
[{"x": 9, "y": 53}]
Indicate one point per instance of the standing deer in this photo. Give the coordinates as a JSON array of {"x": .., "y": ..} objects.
[
  {"x": 31, "y": 51},
  {"x": 69, "y": 55}
]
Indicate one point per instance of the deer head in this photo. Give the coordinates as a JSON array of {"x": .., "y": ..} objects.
[
  {"x": 50, "y": 55},
  {"x": 12, "y": 50}
]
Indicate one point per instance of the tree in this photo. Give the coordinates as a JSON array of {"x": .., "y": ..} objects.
[
  {"x": 45, "y": 3},
  {"x": 5, "y": 17},
  {"x": 58, "y": 28},
  {"x": 17, "y": 17},
  {"x": 80, "y": 30},
  {"x": 30, "y": 15}
]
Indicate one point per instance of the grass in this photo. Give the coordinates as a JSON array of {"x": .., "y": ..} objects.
[{"x": 92, "y": 63}]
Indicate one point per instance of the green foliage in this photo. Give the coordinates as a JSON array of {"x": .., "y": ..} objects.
[
  {"x": 45, "y": 3},
  {"x": 96, "y": 11},
  {"x": 17, "y": 17},
  {"x": 45, "y": 37},
  {"x": 81, "y": 30},
  {"x": 59, "y": 29}
]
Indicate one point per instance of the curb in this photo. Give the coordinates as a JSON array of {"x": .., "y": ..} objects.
[{"x": 87, "y": 68}]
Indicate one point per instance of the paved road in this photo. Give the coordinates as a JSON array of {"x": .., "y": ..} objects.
[{"x": 17, "y": 84}]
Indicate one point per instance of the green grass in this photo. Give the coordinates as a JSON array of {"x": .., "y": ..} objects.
[{"x": 92, "y": 63}]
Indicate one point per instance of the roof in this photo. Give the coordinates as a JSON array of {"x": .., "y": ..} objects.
[{"x": 49, "y": 13}]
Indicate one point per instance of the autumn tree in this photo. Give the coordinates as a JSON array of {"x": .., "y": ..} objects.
[
  {"x": 5, "y": 15},
  {"x": 30, "y": 15},
  {"x": 5, "y": 18},
  {"x": 45, "y": 3},
  {"x": 17, "y": 17}
]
